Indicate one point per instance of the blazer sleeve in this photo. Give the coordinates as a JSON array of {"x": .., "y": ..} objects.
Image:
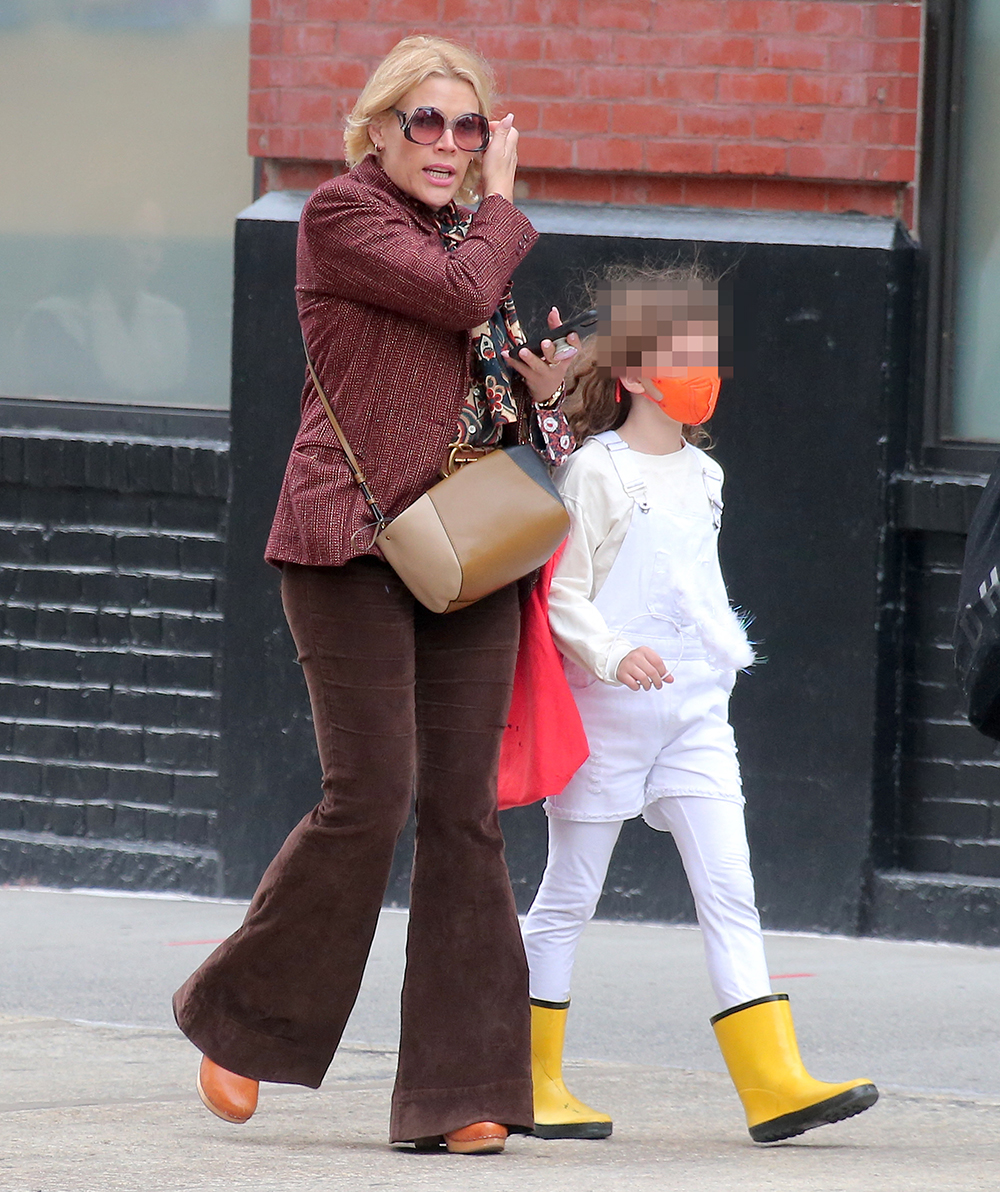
[{"x": 366, "y": 249}]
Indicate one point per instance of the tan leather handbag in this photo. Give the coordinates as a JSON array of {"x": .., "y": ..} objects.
[{"x": 486, "y": 525}]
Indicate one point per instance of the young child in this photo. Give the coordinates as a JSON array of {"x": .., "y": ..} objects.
[{"x": 639, "y": 609}]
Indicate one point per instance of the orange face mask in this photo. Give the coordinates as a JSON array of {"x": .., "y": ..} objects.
[{"x": 689, "y": 399}]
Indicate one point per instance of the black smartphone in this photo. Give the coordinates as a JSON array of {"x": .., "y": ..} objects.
[{"x": 579, "y": 323}]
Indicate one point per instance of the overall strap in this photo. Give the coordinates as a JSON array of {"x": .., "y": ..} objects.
[{"x": 629, "y": 475}]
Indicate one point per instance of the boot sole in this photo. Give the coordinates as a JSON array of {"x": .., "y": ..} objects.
[
  {"x": 472, "y": 1146},
  {"x": 476, "y": 1146},
  {"x": 573, "y": 1130},
  {"x": 823, "y": 1113},
  {"x": 432, "y": 1142}
]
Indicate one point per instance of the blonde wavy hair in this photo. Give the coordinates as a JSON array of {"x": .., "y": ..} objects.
[{"x": 406, "y": 66}]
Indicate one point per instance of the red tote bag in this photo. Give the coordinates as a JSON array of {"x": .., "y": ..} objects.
[{"x": 544, "y": 743}]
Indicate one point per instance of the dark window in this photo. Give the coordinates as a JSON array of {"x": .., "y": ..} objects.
[
  {"x": 123, "y": 137},
  {"x": 960, "y": 230}
]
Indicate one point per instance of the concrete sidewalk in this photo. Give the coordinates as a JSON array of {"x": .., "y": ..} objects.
[{"x": 108, "y": 1103}]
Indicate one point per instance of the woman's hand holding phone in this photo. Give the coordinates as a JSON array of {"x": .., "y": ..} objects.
[
  {"x": 543, "y": 374},
  {"x": 560, "y": 334}
]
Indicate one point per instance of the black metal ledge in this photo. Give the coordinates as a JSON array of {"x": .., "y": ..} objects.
[
  {"x": 114, "y": 420},
  {"x": 712, "y": 225},
  {"x": 703, "y": 224},
  {"x": 935, "y": 501},
  {"x": 71, "y": 862},
  {"x": 934, "y": 906}
]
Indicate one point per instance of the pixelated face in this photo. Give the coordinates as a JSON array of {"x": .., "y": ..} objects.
[{"x": 657, "y": 328}]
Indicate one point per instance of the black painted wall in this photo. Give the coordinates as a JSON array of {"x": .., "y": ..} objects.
[
  {"x": 951, "y": 773},
  {"x": 111, "y": 543},
  {"x": 872, "y": 804},
  {"x": 935, "y": 833},
  {"x": 809, "y": 430},
  {"x": 269, "y": 769}
]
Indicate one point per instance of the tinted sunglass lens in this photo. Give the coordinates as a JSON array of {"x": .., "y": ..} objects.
[
  {"x": 471, "y": 133},
  {"x": 426, "y": 126}
]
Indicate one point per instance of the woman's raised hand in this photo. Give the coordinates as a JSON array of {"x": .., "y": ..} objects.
[
  {"x": 643, "y": 667},
  {"x": 544, "y": 374},
  {"x": 500, "y": 159}
]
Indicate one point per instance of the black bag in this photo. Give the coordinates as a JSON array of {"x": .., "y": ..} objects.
[{"x": 977, "y": 630}]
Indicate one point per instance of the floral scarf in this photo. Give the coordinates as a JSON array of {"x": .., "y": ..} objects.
[{"x": 491, "y": 403}]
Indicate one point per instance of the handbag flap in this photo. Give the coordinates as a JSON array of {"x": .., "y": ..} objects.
[{"x": 529, "y": 461}]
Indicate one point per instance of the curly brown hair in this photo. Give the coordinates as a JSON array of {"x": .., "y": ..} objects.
[{"x": 594, "y": 401}]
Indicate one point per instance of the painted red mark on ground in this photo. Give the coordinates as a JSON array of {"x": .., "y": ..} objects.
[
  {"x": 182, "y": 943},
  {"x": 789, "y": 976}
]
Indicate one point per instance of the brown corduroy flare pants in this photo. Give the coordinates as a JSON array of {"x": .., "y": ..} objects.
[{"x": 398, "y": 694}]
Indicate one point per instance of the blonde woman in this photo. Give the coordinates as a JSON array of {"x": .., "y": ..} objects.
[{"x": 404, "y": 301}]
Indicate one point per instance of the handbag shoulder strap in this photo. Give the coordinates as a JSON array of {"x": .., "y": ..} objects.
[{"x": 381, "y": 520}]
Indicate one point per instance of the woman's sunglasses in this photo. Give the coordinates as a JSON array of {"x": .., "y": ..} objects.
[{"x": 426, "y": 126}]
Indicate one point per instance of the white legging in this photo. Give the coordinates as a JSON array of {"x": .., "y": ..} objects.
[{"x": 710, "y": 835}]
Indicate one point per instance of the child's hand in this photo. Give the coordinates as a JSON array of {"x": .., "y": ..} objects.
[{"x": 643, "y": 667}]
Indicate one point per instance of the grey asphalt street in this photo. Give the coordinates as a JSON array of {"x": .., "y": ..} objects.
[{"x": 97, "y": 1089}]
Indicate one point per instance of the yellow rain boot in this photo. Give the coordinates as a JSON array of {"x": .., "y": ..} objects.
[
  {"x": 558, "y": 1114},
  {"x": 780, "y": 1098}
]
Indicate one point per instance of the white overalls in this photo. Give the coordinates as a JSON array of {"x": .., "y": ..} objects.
[{"x": 668, "y": 755}]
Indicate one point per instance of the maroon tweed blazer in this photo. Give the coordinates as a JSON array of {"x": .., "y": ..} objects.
[{"x": 386, "y": 312}]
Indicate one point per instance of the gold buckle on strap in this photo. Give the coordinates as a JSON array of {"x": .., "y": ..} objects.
[{"x": 460, "y": 454}]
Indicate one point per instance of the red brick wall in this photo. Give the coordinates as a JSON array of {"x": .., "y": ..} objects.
[{"x": 732, "y": 103}]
